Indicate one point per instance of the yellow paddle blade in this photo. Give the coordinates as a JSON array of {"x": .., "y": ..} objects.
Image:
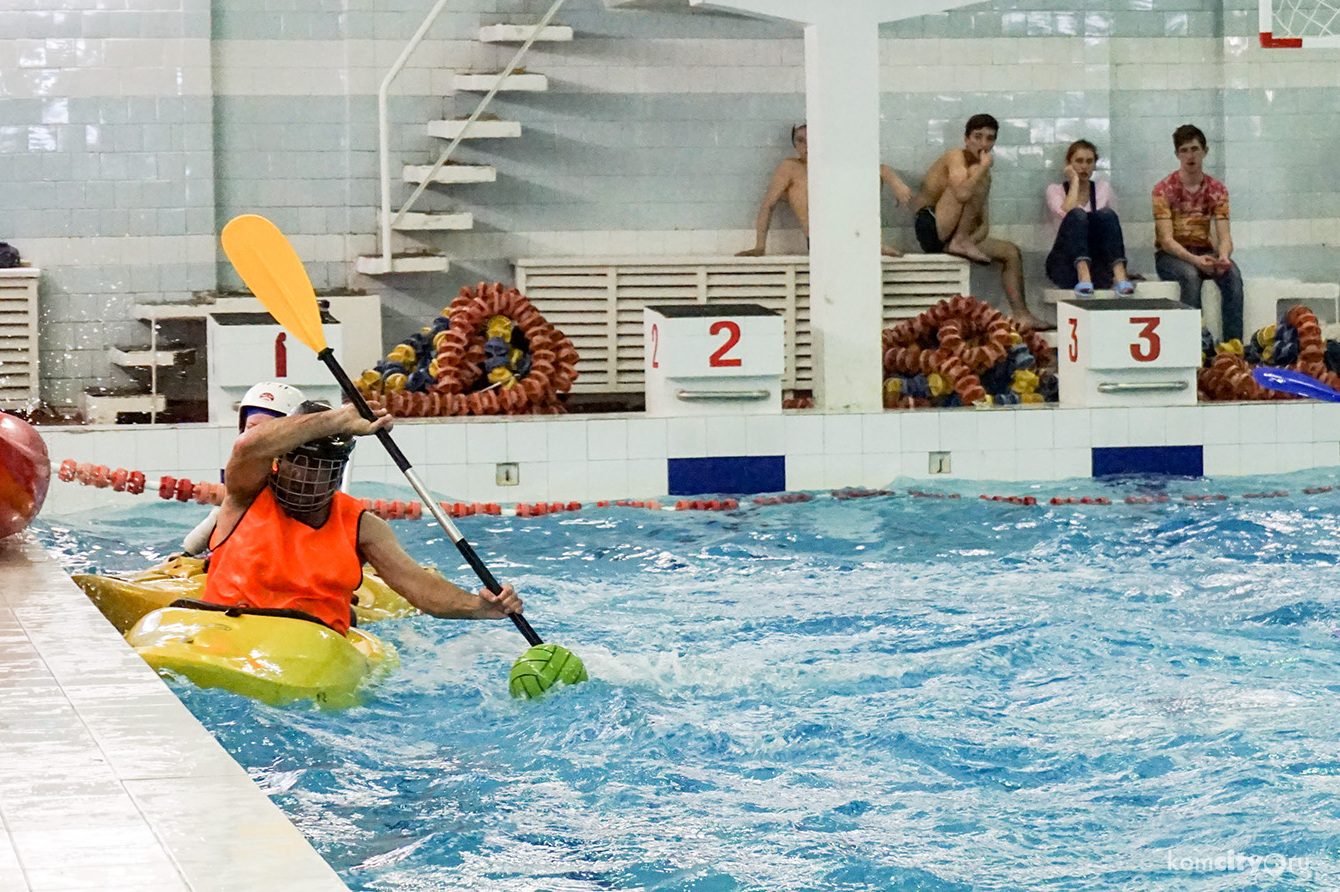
[{"x": 272, "y": 270}]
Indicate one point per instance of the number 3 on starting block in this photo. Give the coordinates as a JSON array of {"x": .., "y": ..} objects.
[{"x": 1127, "y": 352}]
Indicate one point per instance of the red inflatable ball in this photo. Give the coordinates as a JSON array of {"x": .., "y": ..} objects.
[{"x": 25, "y": 472}]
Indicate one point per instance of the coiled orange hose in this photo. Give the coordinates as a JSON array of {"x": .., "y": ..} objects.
[
  {"x": 956, "y": 338},
  {"x": 461, "y": 357}
]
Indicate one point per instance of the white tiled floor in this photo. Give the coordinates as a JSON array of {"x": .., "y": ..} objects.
[{"x": 107, "y": 781}]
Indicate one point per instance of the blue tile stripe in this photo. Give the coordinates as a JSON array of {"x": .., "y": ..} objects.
[
  {"x": 1179, "y": 461},
  {"x": 731, "y": 475}
]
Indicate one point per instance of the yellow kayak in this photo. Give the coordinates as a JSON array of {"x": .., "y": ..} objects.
[
  {"x": 273, "y": 659},
  {"x": 125, "y": 600}
]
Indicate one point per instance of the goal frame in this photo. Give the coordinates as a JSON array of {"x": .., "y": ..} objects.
[{"x": 1272, "y": 41}]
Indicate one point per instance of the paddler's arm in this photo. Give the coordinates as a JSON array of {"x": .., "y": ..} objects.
[
  {"x": 427, "y": 591},
  {"x": 255, "y": 450},
  {"x": 197, "y": 540}
]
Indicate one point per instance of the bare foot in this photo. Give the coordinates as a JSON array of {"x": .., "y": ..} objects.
[
  {"x": 1027, "y": 322},
  {"x": 965, "y": 248},
  {"x": 890, "y": 251}
]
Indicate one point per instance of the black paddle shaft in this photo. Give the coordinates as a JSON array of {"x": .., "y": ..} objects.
[{"x": 486, "y": 576}]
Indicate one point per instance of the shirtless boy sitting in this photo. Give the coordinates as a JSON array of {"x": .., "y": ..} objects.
[
  {"x": 952, "y": 214},
  {"x": 791, "y": 181}
]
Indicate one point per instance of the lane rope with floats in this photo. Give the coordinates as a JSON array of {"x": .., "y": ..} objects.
[
  {"x": 962, "y": 351},
  {"x": 411, "y": 510},
  {"x": 273, "y": 271}
]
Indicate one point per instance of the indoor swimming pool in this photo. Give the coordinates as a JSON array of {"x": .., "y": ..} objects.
[{"x": 893, "y": 692}]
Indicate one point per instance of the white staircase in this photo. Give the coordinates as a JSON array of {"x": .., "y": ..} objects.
[
  {"x": 519, "y": 82},
  {"x": 398, "y": 227},
  {"x": 450, "y": 173},
  {"x": 414, "y": 221},
  {"x": 522, "y": 33},
  {"x": 477, "y": 130},
  {"x": 407, "y": 262}
]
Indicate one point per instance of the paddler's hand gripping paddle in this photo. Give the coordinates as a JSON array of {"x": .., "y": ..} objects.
[{"x": 272, "y": 270}]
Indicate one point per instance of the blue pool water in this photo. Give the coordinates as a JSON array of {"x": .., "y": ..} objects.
[{"x": 876, "y": 694}]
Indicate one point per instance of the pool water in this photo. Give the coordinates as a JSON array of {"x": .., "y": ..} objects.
[{"x": 872, "y": 694}]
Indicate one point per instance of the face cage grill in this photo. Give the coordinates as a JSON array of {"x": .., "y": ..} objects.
[{"x": 302, "y": 484}]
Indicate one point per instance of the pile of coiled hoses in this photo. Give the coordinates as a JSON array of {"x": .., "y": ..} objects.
[
  {"x": 951, "y": 345},
  {"x": 496, "y": 356},
  {"x": 1228, "y": 376}
]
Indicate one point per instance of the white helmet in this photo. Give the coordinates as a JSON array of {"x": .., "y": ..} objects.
[{"x": 274, "y": 397}]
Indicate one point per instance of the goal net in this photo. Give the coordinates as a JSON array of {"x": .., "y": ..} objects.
[{"x": 1287, "y": 24}]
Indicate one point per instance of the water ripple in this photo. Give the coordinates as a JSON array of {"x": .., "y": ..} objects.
[{"x": 880, "y": 694}]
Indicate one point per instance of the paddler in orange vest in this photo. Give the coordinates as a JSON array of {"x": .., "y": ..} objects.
[
  {"x": 288, "y": 540},
  {"x": 263, "y": 402}
]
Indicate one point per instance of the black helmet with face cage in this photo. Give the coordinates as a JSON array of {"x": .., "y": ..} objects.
[{"x": 307, "y": 477}]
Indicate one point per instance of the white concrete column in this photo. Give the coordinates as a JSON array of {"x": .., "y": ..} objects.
[{"x": 842, "y": 110}]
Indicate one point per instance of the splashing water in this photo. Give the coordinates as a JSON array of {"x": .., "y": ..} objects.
[{"x": 890, "y": 693}]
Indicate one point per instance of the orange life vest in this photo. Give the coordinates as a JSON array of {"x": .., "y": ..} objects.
[{"x": 272, "y": 561}]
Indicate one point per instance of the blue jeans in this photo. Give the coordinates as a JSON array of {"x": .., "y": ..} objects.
[
  {"x": 1094, "y": 237},
  {"x": 1188, "y": 278}
]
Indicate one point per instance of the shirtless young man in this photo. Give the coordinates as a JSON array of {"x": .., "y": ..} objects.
[
  {"x": 791, "y": 181},
  {"x": 952, "y": 213}
]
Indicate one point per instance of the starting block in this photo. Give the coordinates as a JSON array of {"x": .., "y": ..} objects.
[
  {"x": 713, "y": 359},
  {"x": 1127, "y": 352},
  {"x": 248, "y": 347}
]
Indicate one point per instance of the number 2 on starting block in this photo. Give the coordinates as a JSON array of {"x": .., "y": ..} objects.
[
  {"x": 712, "y": 359},
  {"x": 709, "y": 341},
  {"x": 720, "y": 358}
]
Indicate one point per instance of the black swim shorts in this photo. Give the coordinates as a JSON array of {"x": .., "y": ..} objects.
[{"x": 928, "y": 231}]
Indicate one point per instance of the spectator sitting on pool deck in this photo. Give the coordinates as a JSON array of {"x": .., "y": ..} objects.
[
  {"x": 1185, "y": 202},
  {"x": 791, "y": 180},
  {"x": 1088, "y": 249},
  {"x": 953, "y": 213}
]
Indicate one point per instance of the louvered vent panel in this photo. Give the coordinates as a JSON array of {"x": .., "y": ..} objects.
[
  {"x": 597, "y": 302},
  {"x": 19, "y": 383}
]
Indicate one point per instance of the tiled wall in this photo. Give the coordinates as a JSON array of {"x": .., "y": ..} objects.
[
  {"x": 106, "y": 167},
  {"x": 616, "y": 457},
  {"x": 128, "y": 135}
]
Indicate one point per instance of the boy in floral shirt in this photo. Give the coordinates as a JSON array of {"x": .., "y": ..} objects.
[{"x": 1185, "y": 205}]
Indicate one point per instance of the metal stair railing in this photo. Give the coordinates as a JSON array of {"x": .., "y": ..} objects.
[{"x": 384, "y": 127}]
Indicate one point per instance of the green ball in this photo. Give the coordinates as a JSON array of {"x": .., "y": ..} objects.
[{"x": 543, "y": 666}]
